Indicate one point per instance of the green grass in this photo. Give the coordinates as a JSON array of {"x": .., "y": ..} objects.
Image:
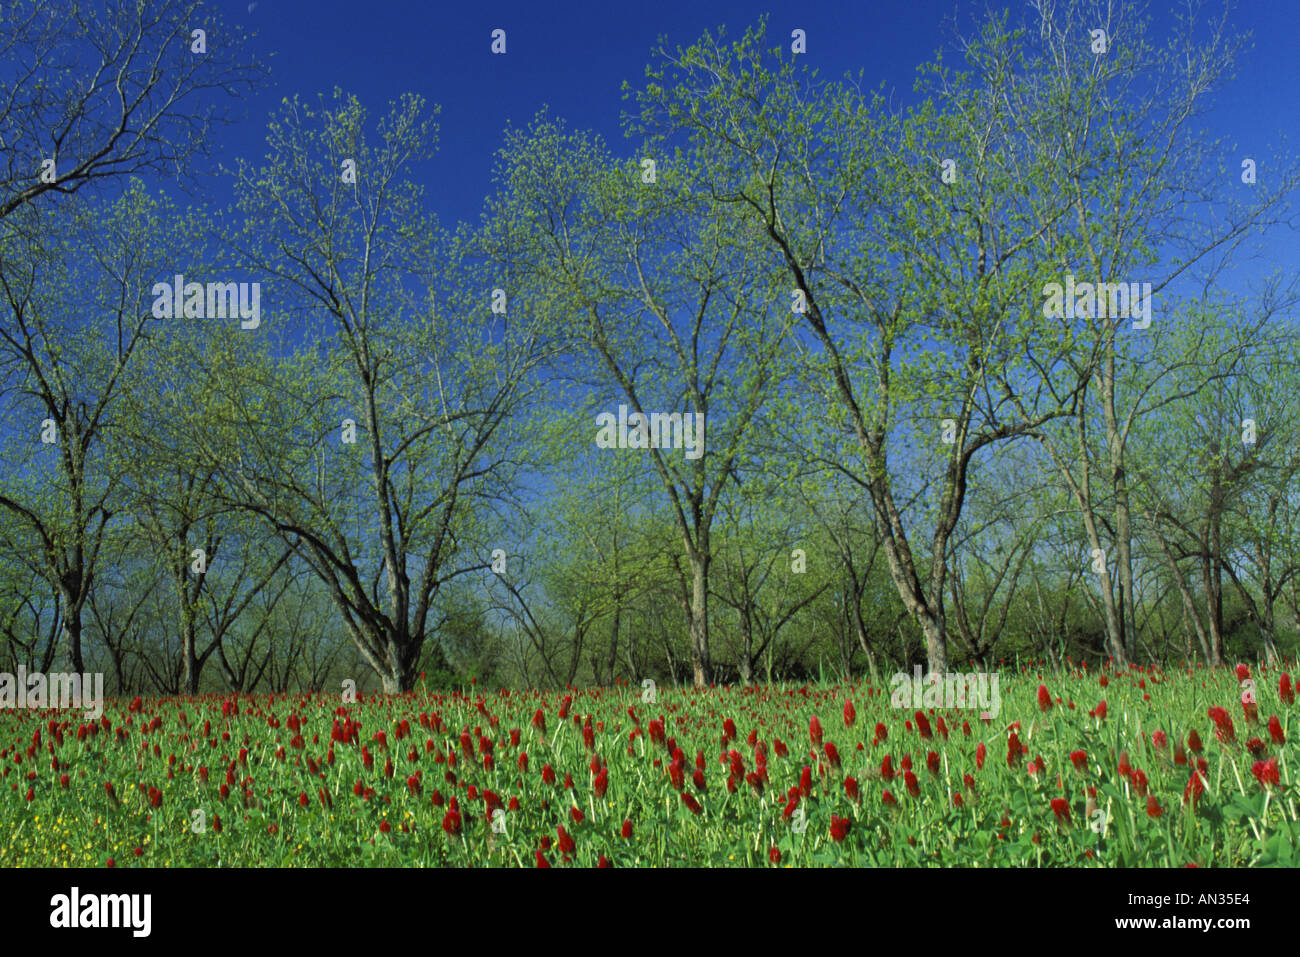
[{"x": 1005, "y": 819}]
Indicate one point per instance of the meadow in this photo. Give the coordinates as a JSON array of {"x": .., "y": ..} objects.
[{"x": 1134, "y": 767}]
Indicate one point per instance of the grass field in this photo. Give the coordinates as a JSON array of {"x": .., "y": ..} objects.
[{"x": 788, "y": 775}]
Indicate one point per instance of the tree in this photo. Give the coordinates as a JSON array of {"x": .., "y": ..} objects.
[
  {"x": 1217, "y": 499},
  {"x": 677, "y": 316},
  {"x": 95, "y": 93},
  {"x": 400, "y": 412},
  {"x": 77, "y": 316},
  {"x": 1143, "y": 189},
  {"x": 209, "y": 552},
  {"x": 913, "y": 285},
  {"x": 30, "y": 609},
  {"x": 760, "y": 578}
]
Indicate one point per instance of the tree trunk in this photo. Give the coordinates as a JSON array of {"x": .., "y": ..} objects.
[
  {"x": 936, "y": 643},
  {"x": 613, "y": 643},
  {"x": 1124, "y": 565},
  {"x": 1114, "y": 626},
  {"x": 746, "y": 663},
  {"x": 860, "y": 628},
  {"x": 1213, "y": 608},
  {"x": 1114, "y": 623},
  {"x": 1189, "y": 604},
  {"x": 700, "y": 664},
  {"x": 72, "y": 605},
  {"x": 189, "y": 652},
  {"x": 1270, "y": 646},
  {"x": 395, "y": 677},
  {"x": 1127, "y": 616}
]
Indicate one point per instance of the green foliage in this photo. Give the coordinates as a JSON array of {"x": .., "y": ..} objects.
[{"x": 965, "y": 811}]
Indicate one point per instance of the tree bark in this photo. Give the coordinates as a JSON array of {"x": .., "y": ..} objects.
[
  {"x": 701, "y": 666},
  {"x": 73, "y": 599}
]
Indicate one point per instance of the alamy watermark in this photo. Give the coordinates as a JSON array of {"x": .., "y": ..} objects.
[
  {"x": 658, "y": 430},
  {"x": 1113, "y": 300},
  {"x": 938, "y": 690},
  {"x": 55, "y": 690},
  {"x": 215, "y": 300},
  {"x": 75, "y": 909}
]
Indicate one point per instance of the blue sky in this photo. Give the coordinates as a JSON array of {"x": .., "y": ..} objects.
[{"x": 575, "y": 56}]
